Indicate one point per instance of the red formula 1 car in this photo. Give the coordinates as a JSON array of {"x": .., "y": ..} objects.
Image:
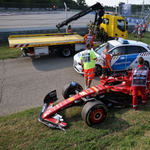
[{"x": 115, "y": 92}]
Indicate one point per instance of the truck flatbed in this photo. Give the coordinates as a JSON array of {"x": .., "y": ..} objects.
[{"x": 37, "y": 40}]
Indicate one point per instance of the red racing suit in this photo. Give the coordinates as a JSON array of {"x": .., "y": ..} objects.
[{"x": 140, "y": 81}]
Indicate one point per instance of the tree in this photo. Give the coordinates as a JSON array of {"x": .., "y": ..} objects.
[{"x": 81, "y": 2}]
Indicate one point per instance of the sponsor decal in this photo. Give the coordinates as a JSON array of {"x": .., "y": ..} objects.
[
  {"x": 121, "y": 63},
  {"x": 95, "y": 89},
  {"x": 87, "y": 91},
  {"x": 90, "y": 90},
  {"x": 93, "y": 95},
  {"x": 101, "y": 92},
  {"x": 82, "y": 93},
  {"x": 71, "y": 99}
]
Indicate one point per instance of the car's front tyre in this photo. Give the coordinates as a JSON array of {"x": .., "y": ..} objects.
[{"x": 94, "y": 112}]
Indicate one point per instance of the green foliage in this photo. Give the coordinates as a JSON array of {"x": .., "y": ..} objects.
[
  {"x": 40, "y": 1},
  {"x": 138, "y": 8},
  {"x": 81, "y": 2},
  {"x": 6, "y": 52},
  {"x": 38, "y": 4}
]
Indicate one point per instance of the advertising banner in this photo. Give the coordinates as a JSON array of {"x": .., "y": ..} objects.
[{"x": 126, "y": 9}]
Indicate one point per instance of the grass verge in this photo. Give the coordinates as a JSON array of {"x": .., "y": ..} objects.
[
  {"x": 7, "y": 53},
  {"x": 145, "y": 39},
  {"x": 124, "y": 129}
]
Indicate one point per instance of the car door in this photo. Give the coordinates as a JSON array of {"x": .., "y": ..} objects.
[
  {"x": 132, "y": 53},
  {"x": 118, "y": 61}
]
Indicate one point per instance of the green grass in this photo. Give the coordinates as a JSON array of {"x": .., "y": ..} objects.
[
  {"x": 7, "y": 53},
  {"x": 145, "y": 39},
  {"x": 124, "y": 129}
]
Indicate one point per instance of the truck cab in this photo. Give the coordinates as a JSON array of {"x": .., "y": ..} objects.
[{"x": 114, "y": 26}]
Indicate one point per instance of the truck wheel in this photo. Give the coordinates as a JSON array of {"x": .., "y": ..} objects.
[
  {"x": 94, "y": 112},
  {"x": 98, "y": 70},
  {"x": 69, "y": 89},
  {"x": 65, "y": 51}
]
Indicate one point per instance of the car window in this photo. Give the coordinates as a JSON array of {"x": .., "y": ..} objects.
[
  {"x": 105, "y": 21},
  {"x": 142, "y": 50},
  {"x": 118, "y": 51},
  {"x": 101, "y": 48},
  {"x": 121, "y": 25},
  {"x": 132, "y": 49}
]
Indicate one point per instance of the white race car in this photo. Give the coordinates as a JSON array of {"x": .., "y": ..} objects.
[{"x": 125, "y": 54}]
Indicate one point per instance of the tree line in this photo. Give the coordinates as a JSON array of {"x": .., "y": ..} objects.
[
  {"x": 72, "y": 4},
  {"x": 79, "y": 4}
]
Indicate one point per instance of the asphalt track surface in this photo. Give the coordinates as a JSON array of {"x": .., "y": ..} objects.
[
  {"x": 24, "y": 82},
  {"x": 27, "y": 19}
]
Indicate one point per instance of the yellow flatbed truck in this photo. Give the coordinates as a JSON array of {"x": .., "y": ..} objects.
[{"x": 44, "y": 44}]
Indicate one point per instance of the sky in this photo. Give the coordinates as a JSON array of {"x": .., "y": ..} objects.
[{"x": 116, "y": 2}]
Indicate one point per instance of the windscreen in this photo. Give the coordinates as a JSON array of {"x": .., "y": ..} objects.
[
  {"x": 101, "y": 48},
  {"x": 121, "y": 25}
]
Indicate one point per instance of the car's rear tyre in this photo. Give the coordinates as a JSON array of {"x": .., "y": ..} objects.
[
  {"x": 66, "y": 51},
  {"x": 69, "y": 89},
  {"x": 98, "y": 70},
  {"x": 94, "y": 112}
]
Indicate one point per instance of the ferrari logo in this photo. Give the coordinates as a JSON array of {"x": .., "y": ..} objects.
[{"x": 108, "y": 90}]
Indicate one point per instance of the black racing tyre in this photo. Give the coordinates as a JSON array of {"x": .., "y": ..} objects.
[
  {"x": 94, "y": 112},
  {"x": 69, "y": 89},
  {"x": 66, "y": 51},
  {"x": 146, "y": 63},
  {"x": 98, "y": 70}
]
